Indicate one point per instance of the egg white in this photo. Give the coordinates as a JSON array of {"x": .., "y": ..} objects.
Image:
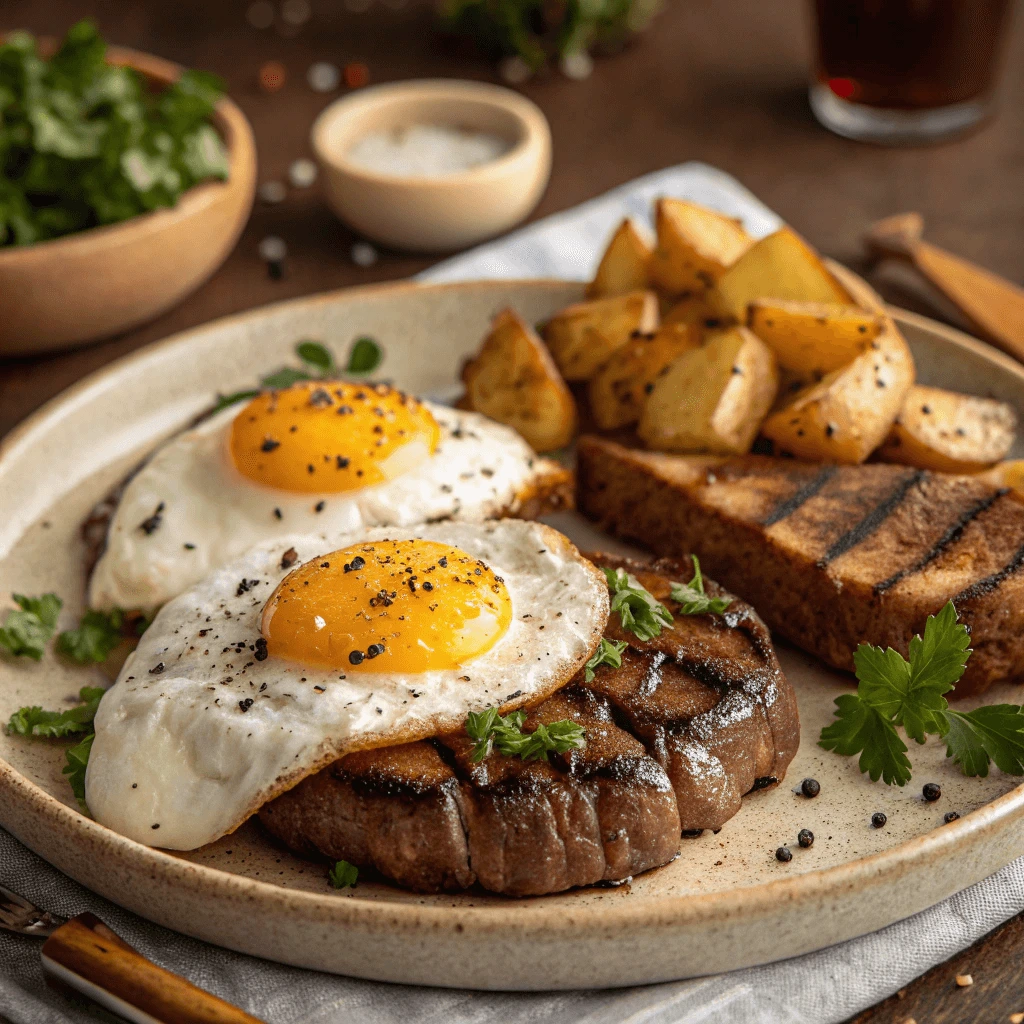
[
  {"x": 177, "y": 762},
  {"x": 209, "y": 513}
]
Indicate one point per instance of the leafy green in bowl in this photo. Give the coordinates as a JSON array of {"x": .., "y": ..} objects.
[{"x": 85, "y": 143}]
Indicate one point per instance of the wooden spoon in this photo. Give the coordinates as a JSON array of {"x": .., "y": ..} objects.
[{"x": 993, "y": 306}]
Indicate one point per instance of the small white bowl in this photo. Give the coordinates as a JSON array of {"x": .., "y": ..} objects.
[{"x": 437, "y": 214}]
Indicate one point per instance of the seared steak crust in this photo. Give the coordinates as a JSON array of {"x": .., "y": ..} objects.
[
  {"x": 832, "y": 556},
  {"x": 693, "y": 720}
]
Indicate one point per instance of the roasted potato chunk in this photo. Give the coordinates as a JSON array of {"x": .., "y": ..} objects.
[
  {"x": 695, "y": 245},
  {"x": 845, "y": 416},
  {"x": 694, "y": 309},
  {"x": 625, "y": 265},
  {"x": 779, "y": 266},
  {"x": 712, "y": 399},
  {"x": 1007, "y": 474},
  {"x": 513, "y": 380},
  {"x": 949, "y": 433},
  {"x": 620, "y": 388},
  {"x": 812, "y": 338},
  {"x": 583, "y": 336}
]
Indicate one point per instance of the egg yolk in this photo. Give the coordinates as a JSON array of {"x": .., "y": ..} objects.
[
  {"x": 388, "y": 606},
  {"x": 327, "y": 436}
]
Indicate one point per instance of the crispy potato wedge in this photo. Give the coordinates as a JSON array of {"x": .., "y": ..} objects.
[
  {"x": 712, "y": 399},
  {"x": 625, "y": 265},
  {"x": 810, "y": 337},
  {"x": 1007, "y": 474},
  {"x": 618, "y": 391},
  {"x": 513, "y": 380},
  {"x": 949, "y": 433},
  {"x": 779, "y": 266},
  {"x": 695, "y": 245},
  {"x": 582, "y": 336},
  {"x": 694, "y": 309},
  {"x": 845, "y": 416}
]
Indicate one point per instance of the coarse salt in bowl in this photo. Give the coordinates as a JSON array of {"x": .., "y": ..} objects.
[{"x": 433, "y": 165}]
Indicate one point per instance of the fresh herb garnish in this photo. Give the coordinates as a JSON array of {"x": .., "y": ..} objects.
[
  {"x": 492, "y": 732},
  {"x": 77, "y": 758},
  {"x": 34, "y": 721},
  {"x": 893, "y": 691},
  {"x": 317, "y": 364},
  {"x": 85, "y": 143},
  {"x": 98, "y": 633},
  {"x": 27, "y": 630},
  {"x": 343, "y": 875},
  {"x": 638, "y": 611},
  {"x": 609, "y": 652},
  {"x": 691, "y": 597}
]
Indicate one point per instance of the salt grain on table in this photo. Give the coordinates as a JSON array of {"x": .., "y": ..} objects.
[{"x": 426, "y": 151}]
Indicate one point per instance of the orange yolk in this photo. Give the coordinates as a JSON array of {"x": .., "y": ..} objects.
[
  {"x": 327, "y": 436},
  {"x": 387, "y": 606}
]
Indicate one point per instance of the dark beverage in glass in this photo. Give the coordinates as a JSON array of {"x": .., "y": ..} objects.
[{"x": 906, "y": 70}]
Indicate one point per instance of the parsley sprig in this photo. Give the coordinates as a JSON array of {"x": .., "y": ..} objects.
[
  {"x": 692, "y": 599},
  {"x": 893, "y": 691},
  {"x": 609, "y": 652},
  {"x": 98, "y": 633},
  {"x": 317, "y": 363},
  {"x": 490, "y": 731},
  {"x": 343, "y": 875},
  {"x": 27, "y": 629},
  {"x": 639, "y": 612}
]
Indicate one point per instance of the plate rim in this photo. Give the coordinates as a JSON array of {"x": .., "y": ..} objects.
[{"x": 519, "y": 916}]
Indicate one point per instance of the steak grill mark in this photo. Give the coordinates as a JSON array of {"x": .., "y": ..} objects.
[
  {"x": 860, "y": 532},
  {"x": 948, "y": 539},
  {"x": 804, "y": 494},
  {"x": 990, "y": 583}
]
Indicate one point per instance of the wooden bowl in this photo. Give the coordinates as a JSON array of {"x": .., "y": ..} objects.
[
  {"x": 99, "y": 282},
  {"x": 444, "y": 213}
]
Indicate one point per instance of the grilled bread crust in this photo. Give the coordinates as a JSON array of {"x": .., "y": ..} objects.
[
  {"x": 831, "y": 556},
  {"x": 692, "y": 721}
]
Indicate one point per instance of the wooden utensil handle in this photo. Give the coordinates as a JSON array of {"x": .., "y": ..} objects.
[{"x": 86, "y": 955}]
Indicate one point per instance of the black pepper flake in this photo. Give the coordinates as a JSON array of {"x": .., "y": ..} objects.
[
  {"x": 344, "y": 410},
  {"x": 189, "y": 547},
  {"x": 245, "y": 586},
  {"x": 320, "y": 506},
  {"x": 277, "y": 514},
  {"x": 152, "y": 523},
  {"x": 245, "y": 704},
  {"x": 355, "y": 657},
  {"x": 443, "y": 561},
  {"x": 374, "y": 650},
  {"x": 427, "y": 585},
  {"x": 261, "y": 653},
  {"x": 320, "y": 399},
  {"x": 810, "y": 788},
  {"x": 341, "y": 462},
  {"x": 931, "y": 791},
  {"x": 269, "y": 444},
  {"x": 318, "y": 689},
  {"x": 289, "y": 558},
  {"x": 950, "y": 816},
  {"x": 157, "y": 825},
  {"x": 157, "y": 669},
  {"x": 783, "y": 855},
  {"x": 805, "y": 837},
  {"x": 878, "y": 819},
  {"x": 311, "y": 468}
]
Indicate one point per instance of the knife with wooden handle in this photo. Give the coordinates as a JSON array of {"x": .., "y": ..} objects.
[
  {"x": 86, "y": 955},
  {"x": 994, "y": 306}
]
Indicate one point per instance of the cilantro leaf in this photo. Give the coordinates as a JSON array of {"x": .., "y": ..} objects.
[
  {"x": 343, "y": 875},
  {"x": 312, "y": 353},
  {"x": 860, "y": 728},
  {"x": 34, "y": 721},
  {"x": 365, "y": 355},
  {"x": 490, "y": 731},
  {"x": 77, "y": 758},
  {"x": 26, "y": 632},
  {"x": 691, "y": 597},
  {"x": 638, "y": 612},
  {"x": 98, "y": 633},
  {"x": 991, "y": 733},
  {"x": 609, "y": 652}
]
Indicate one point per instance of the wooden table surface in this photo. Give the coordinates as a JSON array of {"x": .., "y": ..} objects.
[{"x": 720, "y": 82}]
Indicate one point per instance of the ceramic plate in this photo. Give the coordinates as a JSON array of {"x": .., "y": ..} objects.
[{"x": 724, "y": 903}]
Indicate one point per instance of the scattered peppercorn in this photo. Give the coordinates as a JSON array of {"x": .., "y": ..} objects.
[
  {"x": 805, "y": 837},
  {"x": 355, "y": 657},
  {"x": 931, "y": 791},
  {"x": 810, "y": 788},
  {"x": 261, "y": 653},
  {"x": 783, "y": 855},
  {"x": 950, "y": 816},
  {"x": 374, "y": 649},
  {"x": 878, "y": 819},
  {"x": 244, "y": 705}
]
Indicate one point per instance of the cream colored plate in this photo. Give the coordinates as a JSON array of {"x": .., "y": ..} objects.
[{"x": 724, "y": 903}]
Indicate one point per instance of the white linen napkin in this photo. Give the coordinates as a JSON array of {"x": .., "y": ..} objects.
[{"x": 821, "y": 988}]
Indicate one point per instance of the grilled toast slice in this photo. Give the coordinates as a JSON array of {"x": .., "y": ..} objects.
[{"x": 831, "y": 556}]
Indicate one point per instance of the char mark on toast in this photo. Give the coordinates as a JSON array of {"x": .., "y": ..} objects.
[{"x": 693, "y": 720}]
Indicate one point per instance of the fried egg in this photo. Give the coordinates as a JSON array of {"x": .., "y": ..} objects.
[
  {"x": 310, "y": 647},
  {"x": 319, "y": 457}
]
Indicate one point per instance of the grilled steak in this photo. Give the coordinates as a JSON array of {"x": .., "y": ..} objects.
[
  {"x": 691, "y": 721},
  {"x": 831, "y": 556}
]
